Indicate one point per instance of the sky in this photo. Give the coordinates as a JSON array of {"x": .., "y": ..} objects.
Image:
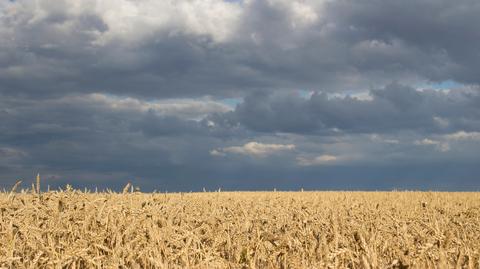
[{"x": 241, "y": 95}]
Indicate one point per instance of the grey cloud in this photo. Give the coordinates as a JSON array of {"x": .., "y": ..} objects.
[
  {"x": 94, "y": 142},
  {"x": 440, "y": 30},
  {"x": 153, "y": 125},
  {"x": 89, "y": 143},
  {"x": 391, "y": 109},
  {"x": 343, "y": 45}
]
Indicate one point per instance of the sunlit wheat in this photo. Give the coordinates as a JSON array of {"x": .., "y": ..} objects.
[{"x": 74, "y": 229}]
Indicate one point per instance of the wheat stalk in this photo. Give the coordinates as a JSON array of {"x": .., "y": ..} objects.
[{"x": 38, "y": 183}]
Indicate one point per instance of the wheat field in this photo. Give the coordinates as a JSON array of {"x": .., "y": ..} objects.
[{"x": 78, "y": 229}]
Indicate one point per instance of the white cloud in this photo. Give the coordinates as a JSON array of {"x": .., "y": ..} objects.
[
  {"x": 185, "y": 108},
  {"x": 210, "y": 123},
  {"x": 318, "y": 160},
  {"x": 302, "y": 14},
  {"x": 215, "y": 152},
  {"x": 426, "y": 141},
  {"x": 462, "y": 135},
  {"x": 440, "y": 146},
  {"x": 134, "y": 20},
  {"x": 444, "y": 141},
  {"x": 254, "y": 149}
]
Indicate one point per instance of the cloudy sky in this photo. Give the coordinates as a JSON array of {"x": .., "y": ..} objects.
[{"x": 179, "y": 95}]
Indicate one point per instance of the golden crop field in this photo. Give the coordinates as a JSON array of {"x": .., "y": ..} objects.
[{"x": 74, "y": 229}]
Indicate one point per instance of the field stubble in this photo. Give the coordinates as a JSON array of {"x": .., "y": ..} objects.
[{"x": 74, "y": 229}]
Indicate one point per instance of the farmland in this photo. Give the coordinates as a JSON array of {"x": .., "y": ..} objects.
[{"x": 77, "y": 229}]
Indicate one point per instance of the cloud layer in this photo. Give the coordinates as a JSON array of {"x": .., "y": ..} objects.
[
  {"x": 248, "y": 94},
  {"x": 193, "y": 48},
  {"x": 391, "y": 109},
  {"x": 254, "y": 149}
]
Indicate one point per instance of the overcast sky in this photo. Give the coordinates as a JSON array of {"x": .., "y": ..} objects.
[{"x": 242, "y": 95}]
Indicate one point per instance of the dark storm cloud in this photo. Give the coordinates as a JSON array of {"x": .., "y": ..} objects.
[
  {"x": 110, "y": 139},
  {"x": 391, "y": 109},
  {"x": 27, "y": 122},
  {"x": 96, "y": 140},
  {"x": 333, "y": 46},
  {"x": 444, "y": 32}
]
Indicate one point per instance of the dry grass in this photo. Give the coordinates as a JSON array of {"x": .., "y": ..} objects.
[{"x": 73, "y": 229}]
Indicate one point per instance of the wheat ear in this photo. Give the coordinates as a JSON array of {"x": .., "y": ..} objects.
[
  {"x": 125, "y": 190},
  {"x": 14, "y": 188}
]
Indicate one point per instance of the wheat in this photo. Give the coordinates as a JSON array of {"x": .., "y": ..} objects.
[
  {"x": 126, "y": 188},
  {"x": 14, "y": 188},
  {"x": 74, "y": 229}
]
